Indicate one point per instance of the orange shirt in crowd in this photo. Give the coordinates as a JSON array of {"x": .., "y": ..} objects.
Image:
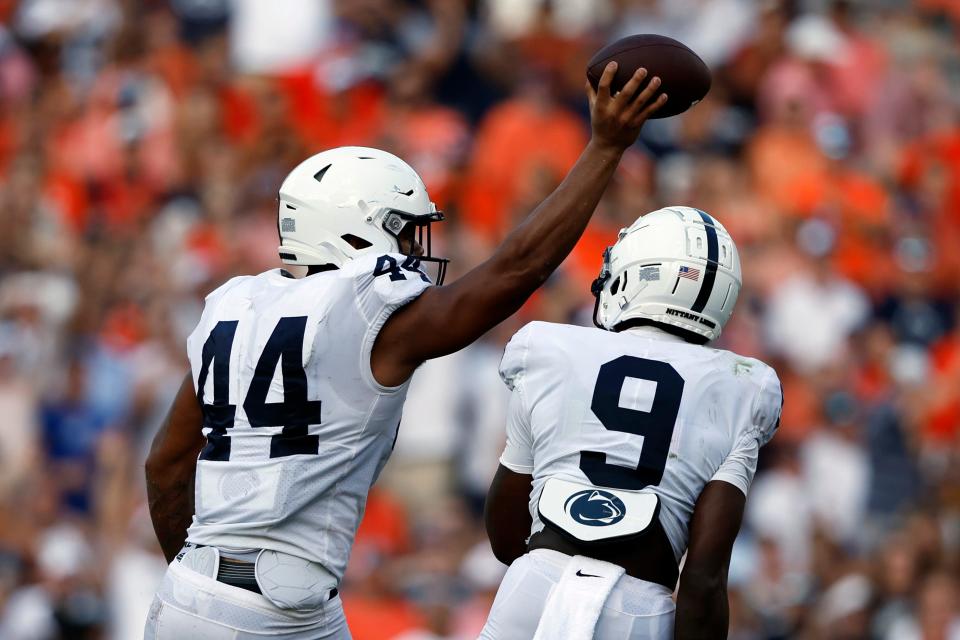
[
  {"x": 8, "y": 142},
  {"x": 937, "y": 152},
  {"x": 587, "y": 255},
  {"x": 67, "y": 196},
  {"x": 178, "y": 67},
  {"x": 859, "y": 207},
  {"x": 949, "y": 7},
  {"x": 384, "y": 525},
  {"x": 801, "y": 407},
  {"x": 384, "y": 531},
  {"x": 943, "y": 420},
  {"x": 431, "y": 138},
  {"x": 238, "y": 110},
  {"x": 326, "y": 118},
  {"x": 516, "y": 139},
  {"x": 380, "y": 618},
  {"x": 778, "y": 157}
]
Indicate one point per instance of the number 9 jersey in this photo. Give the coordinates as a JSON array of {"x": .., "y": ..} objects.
[
  {"x": 640, "y": 411},
  {"x": 297, "y": 427}
]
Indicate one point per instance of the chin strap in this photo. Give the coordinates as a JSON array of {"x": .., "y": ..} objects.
[{"x": 596, "y": 287}]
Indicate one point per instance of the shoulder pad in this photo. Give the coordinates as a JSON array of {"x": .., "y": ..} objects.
[
  {"x": 386, "y": 280},
  {"x": 514, "y": 361},
  {"x": 226, "y": 286}
]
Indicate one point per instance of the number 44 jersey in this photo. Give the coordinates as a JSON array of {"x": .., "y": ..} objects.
[
  {"x": 297, "y": 428},
  {"x": 639, "y": 410}
]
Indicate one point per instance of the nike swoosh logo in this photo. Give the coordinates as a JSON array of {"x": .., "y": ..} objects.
[{"x": 587, "y": 575}]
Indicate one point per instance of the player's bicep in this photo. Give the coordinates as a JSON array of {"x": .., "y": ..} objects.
[
  {"x": 170, "y": 469},
  {"x": 429, "y": 327},
  {"x": 714, "y": 526},
  {"x": 180, "y": 438},
  {"x": 702, "y": 607},
  {"x": 443, "y": 320},
  {"x": 507, "y": 514}
]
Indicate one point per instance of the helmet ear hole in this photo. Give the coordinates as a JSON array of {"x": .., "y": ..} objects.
[{"x": 356, "y": 241}]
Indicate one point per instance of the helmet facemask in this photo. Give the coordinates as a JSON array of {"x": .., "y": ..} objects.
[
  {"x": 397, "y": 222},
  {"x": 596, "y": 287}
]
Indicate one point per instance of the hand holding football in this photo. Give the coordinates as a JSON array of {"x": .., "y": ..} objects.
[{"x": 685, "y": 77}]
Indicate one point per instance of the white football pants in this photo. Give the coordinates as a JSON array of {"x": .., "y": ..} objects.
[
  {"x": 635, "y": 609},
  {"x": 192, "y": 606}
]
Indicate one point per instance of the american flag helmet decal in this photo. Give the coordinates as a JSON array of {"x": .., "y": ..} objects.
[{"x": 690, "y": 273}]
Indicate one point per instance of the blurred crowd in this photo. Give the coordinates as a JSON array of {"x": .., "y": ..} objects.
[{"x": 142, "y": 143}]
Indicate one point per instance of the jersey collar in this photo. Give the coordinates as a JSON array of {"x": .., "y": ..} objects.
[
  {"x": 656, "y": 333},
  {"x": 283, "y": 275}
]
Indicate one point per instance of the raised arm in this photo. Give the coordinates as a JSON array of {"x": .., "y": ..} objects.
[
  {"x": 171, "y": 468},
  {"x": 702, "y": 608},
  {"x": 445, "y": 319}
]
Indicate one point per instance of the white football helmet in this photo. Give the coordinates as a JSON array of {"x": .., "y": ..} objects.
[
  {"x": 346, "y": 202},
  {"x": 677, "y": 266}
]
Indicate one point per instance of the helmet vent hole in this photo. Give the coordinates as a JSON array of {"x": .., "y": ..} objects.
[
  {"x": 291, "y": 207},
  {"x": 675, "y": 284},
  {"x": 615, "y": 286},
  {"x": 318, "y": 176},
  {"x": 356, "y": 241},
  {"x": 365, "y": 158},
  {"x": 699, "y": 243}
]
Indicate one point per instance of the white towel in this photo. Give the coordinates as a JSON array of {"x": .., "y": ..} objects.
[{"x": 574, "y": 604}]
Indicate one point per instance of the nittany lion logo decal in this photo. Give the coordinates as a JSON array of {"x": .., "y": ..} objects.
[{"x": 595, "y": 508}]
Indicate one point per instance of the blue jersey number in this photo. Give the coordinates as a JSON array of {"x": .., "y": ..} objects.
[
  {"x": 656, "y": 426},
  {"x": 387, "y": 265},
  {"x": 294, "y": 414}
]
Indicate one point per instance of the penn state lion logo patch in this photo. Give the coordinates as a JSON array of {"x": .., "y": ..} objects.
[{"x": 595, "y": 508}]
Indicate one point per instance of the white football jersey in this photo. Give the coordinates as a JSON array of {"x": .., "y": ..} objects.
[
  {"x": 640, "y": 410},
  {"x": 297, "y": 427}
]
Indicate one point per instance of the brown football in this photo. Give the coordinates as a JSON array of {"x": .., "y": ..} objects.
[{"x": 685, "y": 77}]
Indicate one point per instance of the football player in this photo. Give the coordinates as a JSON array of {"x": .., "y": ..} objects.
[
  {"x": 258, "y": 478},
  {"x": 629, "y": 446}
]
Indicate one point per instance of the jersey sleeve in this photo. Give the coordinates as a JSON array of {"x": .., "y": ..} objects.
[
  {"x": 740, "y": 464},
  {"x": 381, "y": 286},
  {"x": 768, "y": 405},
  {"x": 514, "y": 361},
  {"x": 518, "y": 453},
  {"x": 387, "y": 283}
]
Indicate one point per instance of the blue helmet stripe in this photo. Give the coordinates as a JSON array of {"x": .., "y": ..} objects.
[{"x": 713, "y": 255}]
